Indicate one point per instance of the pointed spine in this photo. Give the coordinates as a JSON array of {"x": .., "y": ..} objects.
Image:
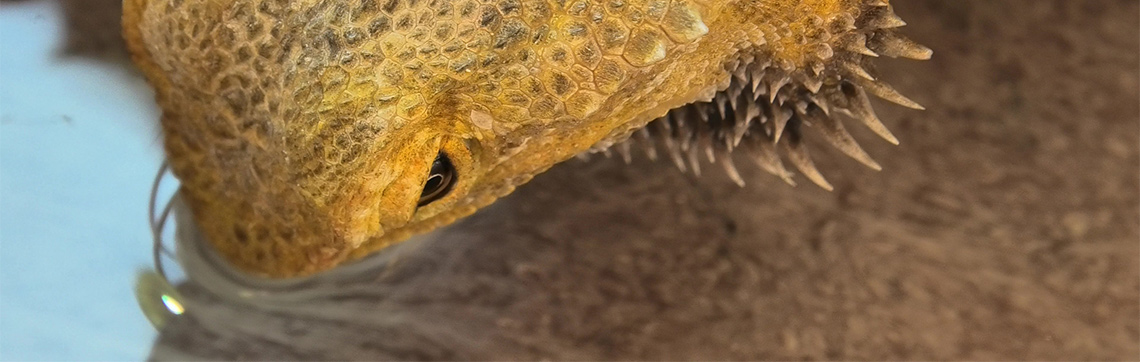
[{"x": 834, "y": 132}]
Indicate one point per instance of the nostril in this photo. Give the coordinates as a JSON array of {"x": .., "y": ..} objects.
[{"x": 240, "y": 235}]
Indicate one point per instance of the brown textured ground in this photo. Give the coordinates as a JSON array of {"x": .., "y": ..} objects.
[{"x": 1006, "y": 226}]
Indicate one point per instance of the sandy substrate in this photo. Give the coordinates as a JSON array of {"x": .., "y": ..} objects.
[{"x": 1005, "y": 226}]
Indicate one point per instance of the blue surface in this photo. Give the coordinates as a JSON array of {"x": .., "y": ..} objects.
[{"x": 78, "y": 151}]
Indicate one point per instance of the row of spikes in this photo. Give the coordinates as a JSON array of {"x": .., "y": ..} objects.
[{"x": 765, "y": 108}]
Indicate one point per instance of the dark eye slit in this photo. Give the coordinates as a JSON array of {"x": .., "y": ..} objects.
[{"x": 440, "y": 180}]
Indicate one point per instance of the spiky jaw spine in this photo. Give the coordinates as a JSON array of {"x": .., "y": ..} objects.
[{"x": 767, "y": 104}]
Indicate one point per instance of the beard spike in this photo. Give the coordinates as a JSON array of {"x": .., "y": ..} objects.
[{"x": 766, "y": 106}]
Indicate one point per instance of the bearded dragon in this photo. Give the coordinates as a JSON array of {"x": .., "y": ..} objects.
[{"x": 308, "y": 133}]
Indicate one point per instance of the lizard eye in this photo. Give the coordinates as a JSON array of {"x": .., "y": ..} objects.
[{"x": 439, "y": 181}]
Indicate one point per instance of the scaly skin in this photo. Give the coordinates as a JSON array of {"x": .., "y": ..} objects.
[{"x": 303, "y": 131}]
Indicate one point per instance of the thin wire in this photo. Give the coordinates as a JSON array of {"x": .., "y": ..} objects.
[
  {"x": 154, "y": 193},
  {"x": 162, "y": 226},
  {"x": 158, "y": 222},
  {"x": 160, "y": 247}
]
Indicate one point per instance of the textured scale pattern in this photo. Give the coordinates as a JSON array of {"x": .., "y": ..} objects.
[{"x": 302, "y": 131}]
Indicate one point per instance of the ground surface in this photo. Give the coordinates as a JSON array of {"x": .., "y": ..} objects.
[{"x": 1006, "y": 226}]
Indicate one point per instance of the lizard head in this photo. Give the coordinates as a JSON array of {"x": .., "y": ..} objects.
[{"x": 308, "y": 133}]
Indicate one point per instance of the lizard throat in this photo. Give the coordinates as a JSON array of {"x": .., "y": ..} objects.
[{"x": 767, "y": 106}]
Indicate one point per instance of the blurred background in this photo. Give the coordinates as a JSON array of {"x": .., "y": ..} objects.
[
  {"x": 78, "y": 152},
  {"x": 1005, "y": 226}
]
